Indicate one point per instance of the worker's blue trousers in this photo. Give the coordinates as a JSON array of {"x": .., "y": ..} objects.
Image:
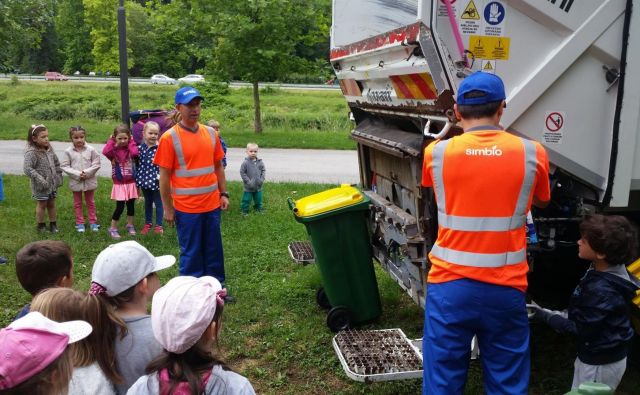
[
  {"x": 200, "y": 243},
  {"x": 457, "y": 310}
]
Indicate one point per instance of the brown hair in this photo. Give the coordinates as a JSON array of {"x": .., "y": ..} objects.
[
  {"x": 478, "y": 111},
  {"x": 74, "y": 129},
  {"x": 122, "y": 128},
  {"x": 191, "y": 364},
  {"x": 611, "y": 235},
  {"x": 174, "y": 116},
  {"x": 41, "y": 264},
  {"x": 214, "y": 124},
  {"x": 34, "y": 130},
  {"x": 54, "y": 379},
  {"x": 66, "y": 304}
]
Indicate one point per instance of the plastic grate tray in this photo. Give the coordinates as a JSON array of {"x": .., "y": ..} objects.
[
  {"x": 377, "y": 355},
  {"x": 301, "y": 252}
]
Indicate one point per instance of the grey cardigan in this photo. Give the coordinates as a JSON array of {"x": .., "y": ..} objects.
[
  {"x": 43, "y": 168},
  {"x": 252, "y": 173}
]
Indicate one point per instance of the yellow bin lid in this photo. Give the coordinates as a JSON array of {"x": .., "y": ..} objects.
[{"x": 329, "y": 200}]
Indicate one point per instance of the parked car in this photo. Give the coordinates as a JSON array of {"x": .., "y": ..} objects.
[
  {"x": 162, "y": 79},
  {"x": 191, "y": 78},
  {"x": 55, "y": 76}
]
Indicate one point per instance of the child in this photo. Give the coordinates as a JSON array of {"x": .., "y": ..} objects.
[
  {"x": 92, "y": 358},
  {"x": 121, "y": 150},
  {"x": 34, "y": 357},
  {"x": 41, "y": 265},
  {"x": 186, "y": 315},
  {"x": 252, "y": 172},
  {"x": 81, "y": 162},
  {"x": 216, "y": 126},
  {"x": 43, "y": 168},
  {"x": 124, "y": 276},
  {"x": 148, "y": 176},
  {"x": 598, "y": 312}
]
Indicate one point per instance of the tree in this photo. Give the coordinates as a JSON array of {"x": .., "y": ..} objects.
[
  {"x": 101, "y": 15},
  {"x": 23, "y": 25},
  {"x": 257, "y": 39},
  {"x": 74, "y": 35}
]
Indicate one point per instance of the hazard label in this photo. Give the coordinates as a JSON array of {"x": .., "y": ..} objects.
[
  {"x": 489, "y": 47},
  {"x": 553, "y": 129},
  {"x": 469, "y": 20},
  {"x": 488, "y": 66},
  {"x": 470, "y": 12}
]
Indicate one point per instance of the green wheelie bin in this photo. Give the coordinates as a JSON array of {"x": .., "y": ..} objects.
[{"x": 336, "y": 221}]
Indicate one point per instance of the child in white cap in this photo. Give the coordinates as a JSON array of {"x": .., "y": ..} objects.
[
  {"x": 124, "y": 275},
  {"x": 186, "y": 315},
  {"x": 33, "y": 354}
]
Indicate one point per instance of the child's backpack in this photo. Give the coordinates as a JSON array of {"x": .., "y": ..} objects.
[{"x": 140, "y": 117}]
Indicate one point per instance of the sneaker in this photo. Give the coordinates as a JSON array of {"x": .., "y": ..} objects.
[
  {"x": 80, "y": 228},
  {"x": 146, "y": 229},
  {"x": 54, "y": 229},
  {"x": 131, "y": 230},
  {"x": 94, "y": 227},
  {"x": 42, "y": 228},
  {"x": 158, "y": 230},
  {"x": 3, "y": 260},
  {"x": 113, "y": 232}
]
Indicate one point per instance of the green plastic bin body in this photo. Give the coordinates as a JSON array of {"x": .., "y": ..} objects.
[{"x": 340, "y": 240}]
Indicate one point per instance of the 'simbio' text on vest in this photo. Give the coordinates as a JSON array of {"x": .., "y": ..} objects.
[{"x": 493, "y": 151}]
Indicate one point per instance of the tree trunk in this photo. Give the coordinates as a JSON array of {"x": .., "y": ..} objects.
[{"x": 257, "y": 123}]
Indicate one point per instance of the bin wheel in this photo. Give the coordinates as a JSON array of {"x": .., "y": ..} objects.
[
  {"x": 322, "y": 299},
  {"x": 339, "y": 318}
]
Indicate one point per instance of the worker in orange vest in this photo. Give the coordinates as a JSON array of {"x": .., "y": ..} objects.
[
  {"x": 193, "y": 188},
  {"x": 485, "y": 181}
]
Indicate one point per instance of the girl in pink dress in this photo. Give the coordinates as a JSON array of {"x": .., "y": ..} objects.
[{"x": 121, "y": 150}]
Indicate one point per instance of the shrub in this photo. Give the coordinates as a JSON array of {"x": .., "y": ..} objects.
[
  {"x": 52, "y": 111},
  {"x": 14, "y": 80}
]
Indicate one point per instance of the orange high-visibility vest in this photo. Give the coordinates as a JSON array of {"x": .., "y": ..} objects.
[
  {"x": 192, "y": 157},
  {"x": 484, "y": 182}
]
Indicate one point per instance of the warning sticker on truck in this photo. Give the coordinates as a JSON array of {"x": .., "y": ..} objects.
[
  {"x": 489, "y": 47},
  {"x": 469, "y": 20},
  {"x": 553, "y": 127}
]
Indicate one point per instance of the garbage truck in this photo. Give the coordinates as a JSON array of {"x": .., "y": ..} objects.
[{"x": 570, "y": 70}]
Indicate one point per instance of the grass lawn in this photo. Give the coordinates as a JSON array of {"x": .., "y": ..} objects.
[
  {"x": 291, "y": 118},
  {"x": 275, "y": 334}
]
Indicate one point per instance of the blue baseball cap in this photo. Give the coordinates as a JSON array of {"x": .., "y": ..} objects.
[
  {"x": 186, "y": 94},
  {"x": 480, "y": 88}
]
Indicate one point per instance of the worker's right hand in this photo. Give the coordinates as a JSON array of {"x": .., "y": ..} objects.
[{"x": 169, "y": 215}]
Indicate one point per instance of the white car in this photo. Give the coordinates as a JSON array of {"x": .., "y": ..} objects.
[
  {"x": 162, "y": 79},
  {"x": 191, "y": 78}
]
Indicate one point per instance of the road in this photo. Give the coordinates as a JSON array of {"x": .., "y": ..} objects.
[
  {"x": 283, "y": 165},
  {"x": 136, "y": 80}
]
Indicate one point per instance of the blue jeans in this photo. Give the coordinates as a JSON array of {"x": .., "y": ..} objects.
[
  {"x": 151, "y": 198},
  {"x": 457, "y": 310},
  {"x": 200, "y": 243}
]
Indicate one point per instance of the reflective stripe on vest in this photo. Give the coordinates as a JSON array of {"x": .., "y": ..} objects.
[
  {"x": 479, "y": 224},
  {"x": 195, "y": 191},
  {"x": 182, "y": 171}
]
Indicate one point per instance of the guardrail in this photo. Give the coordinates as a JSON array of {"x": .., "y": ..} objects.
[{"x": 110, "y": 79}]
